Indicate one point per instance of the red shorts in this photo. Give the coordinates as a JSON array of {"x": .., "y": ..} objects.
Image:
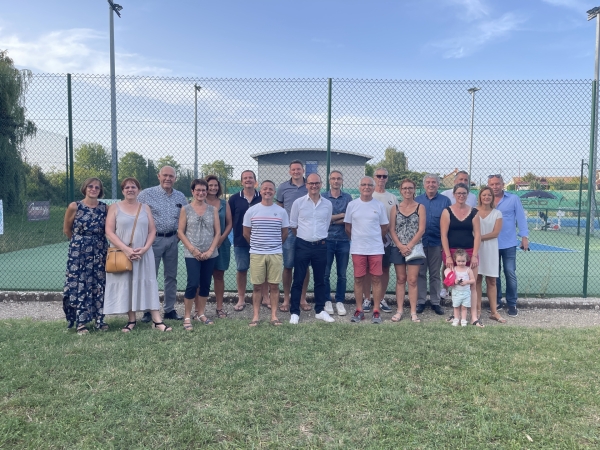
[
  {"x": 453, "y": 251},
  {"x": 373, "y": 262}
]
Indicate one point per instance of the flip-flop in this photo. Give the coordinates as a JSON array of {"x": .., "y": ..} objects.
[
  {"x": 284, "y": 308},
  {"x": 254, "y": 323},
  {"x": 266, "y": 305},
  {"x": 478, "y": 324},
  {"x": 239, "y": 307},
  {"x": 397, "y": 317},
  {"x": 275, "y": 322},
  {"x": 415, "y": 318},
  {"x": 306, "y": 307},
  {"x": 498, "y": 319}
]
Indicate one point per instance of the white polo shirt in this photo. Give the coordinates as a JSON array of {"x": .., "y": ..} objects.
[{"x": 311, "y": 220}]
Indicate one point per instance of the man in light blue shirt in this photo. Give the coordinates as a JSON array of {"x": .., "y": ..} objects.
[{"x": 513, "y": 217}]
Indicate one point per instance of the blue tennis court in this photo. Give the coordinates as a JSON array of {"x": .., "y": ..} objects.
[{"x": 536, "y": 247}]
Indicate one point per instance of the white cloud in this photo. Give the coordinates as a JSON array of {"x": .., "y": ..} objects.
[
  {"x": 78, "y": 50},
  {"x": 478, "y": 36},
  {"x": 474, "y": 9}
]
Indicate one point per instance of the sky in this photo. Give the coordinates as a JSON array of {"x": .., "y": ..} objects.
[{"x": 375, "y": 39}]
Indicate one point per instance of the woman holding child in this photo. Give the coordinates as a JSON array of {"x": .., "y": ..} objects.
[
  {"x": 460, "y": 228},
  {"x": 407, "y": 225}
]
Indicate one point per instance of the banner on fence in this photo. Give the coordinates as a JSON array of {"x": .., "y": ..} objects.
[{"x": 38, "y": 211}]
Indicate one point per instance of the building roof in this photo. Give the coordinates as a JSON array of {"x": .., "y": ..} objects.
[{"x": 291, "y": 150}]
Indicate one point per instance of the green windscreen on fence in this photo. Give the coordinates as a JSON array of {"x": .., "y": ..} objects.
[{"x": 536, "y": 134}]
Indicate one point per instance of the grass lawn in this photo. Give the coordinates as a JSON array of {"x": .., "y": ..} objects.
[{"x": 314, "y": 385}]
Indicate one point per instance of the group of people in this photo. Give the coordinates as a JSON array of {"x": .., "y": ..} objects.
[{"x": 279, "y": 233}]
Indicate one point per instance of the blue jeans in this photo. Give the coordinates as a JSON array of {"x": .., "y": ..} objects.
[
  {"x": 340, "y": 250},
  {"x": 315, "y": 254},
  {"x": 508, "y": 260},
  {"x": 289, "y": 248}
]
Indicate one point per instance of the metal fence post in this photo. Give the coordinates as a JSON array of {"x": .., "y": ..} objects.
[
  {"x": 71, "y": 163},
  {"x": 591, "y": 190},
  {"x": 328, "y": 130}
]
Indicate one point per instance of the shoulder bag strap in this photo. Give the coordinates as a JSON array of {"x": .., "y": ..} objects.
[{"x": 134, "y": 224}]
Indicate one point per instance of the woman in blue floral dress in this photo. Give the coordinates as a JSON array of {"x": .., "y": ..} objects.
[{"x": 83, "y": 294}]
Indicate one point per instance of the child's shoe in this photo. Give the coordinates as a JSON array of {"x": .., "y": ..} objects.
[
  {"x": 463, "y": 323},
  {"x": 455, "y": 322}
]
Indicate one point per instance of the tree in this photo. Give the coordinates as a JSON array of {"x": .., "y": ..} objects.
[
  {"x": 39, "y": 187},
  {"x": 133, "y": 164},
  {"x": 14, "y": 128},
  {"x": 92, "y": 160},
  {"x": 168, "y": 161},
  {"x": 559, "y": 184},
  {"x": 218, "y": 168},
  {"x": 396, "y": 164}
]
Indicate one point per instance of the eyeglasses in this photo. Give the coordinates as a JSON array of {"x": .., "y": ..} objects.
[
  {"x": 91, "y": 186},
  {"x": 199, "y": 190},
  {"x": 460, "y": 193},
  {"x": 408, "y": 188},
  {"x": 381, "y": 176},
  {"x": 314, "y": 183},
  {"x": 366, "y": 185},
  {"x": 495, "y": 175}
]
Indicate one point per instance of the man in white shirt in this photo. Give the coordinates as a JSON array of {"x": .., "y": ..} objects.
[
  {"x": 265, "y": 228},
  {"x": 462, "y": 177},
  {"x": 389, "y": 200},
  {"x": 309, "y": 221},
  {"x": 366, "y": 224}
]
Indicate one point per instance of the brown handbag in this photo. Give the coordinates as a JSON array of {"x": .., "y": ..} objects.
[{"x": 116, "y": 260}]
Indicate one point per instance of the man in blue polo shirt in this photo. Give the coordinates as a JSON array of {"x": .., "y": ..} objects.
[
  {"x": 287, "y": 193},
  {"x": 338, "y": 243},
  {"x": 434, "y": 203},
  {"x": 513, "y": 217},
  {"x": 239, "y": 204}
]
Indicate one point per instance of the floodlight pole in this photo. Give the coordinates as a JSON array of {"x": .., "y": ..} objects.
[
  {"x": 114, "y": 160},
  {"x": 196, "y": 90},
  {"x": 472, "y": 92}
]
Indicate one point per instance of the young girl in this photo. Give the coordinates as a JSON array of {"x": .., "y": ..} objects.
[{"x": 461, "y": 291}]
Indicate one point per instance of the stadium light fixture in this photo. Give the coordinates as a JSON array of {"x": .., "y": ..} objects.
[
  {"x": 196, "y": 90},
  {"x": 113, "y": 7},
  {"x": 472, "y": 92}
]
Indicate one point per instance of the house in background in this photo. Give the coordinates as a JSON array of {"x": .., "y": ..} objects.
[
  {"x": 274, "y": 164},
  {"x": 447, "y": 181}
]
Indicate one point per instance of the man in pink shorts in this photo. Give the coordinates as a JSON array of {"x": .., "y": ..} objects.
[{"x": 366, "y": 223}]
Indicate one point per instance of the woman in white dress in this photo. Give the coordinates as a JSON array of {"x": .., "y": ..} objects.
[
  {"x": 489, "y": 264},
  {"x": 135, "y": 290}
]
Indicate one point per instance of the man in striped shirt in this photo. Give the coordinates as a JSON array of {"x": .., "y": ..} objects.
[{"x": 265, "y": 228}]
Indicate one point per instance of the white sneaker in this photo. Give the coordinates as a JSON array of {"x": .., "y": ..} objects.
[
  {"x": 455, "y": 322},
  {"x": 328, "y": 307},
  {"x": 323, "y": 316},
  {"x": 340, "y": 309},
  {"x": 463, "y": 323},
  {"x": 443, "y": 293},
  {"x": 294, "y": 318}
]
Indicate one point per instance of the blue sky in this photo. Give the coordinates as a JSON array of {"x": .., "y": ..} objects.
[{"x": 377, "y": 39}]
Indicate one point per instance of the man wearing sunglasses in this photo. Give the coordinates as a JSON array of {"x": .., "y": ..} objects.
[{"x": 513, "y": 217}]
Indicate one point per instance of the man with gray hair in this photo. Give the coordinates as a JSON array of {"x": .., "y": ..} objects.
[
  {"x": 165, "y": 204},
  {"x": 462, "y": 176},
  {"x": 434, "y": 203}
]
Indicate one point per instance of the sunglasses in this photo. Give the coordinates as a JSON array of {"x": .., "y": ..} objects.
[
  {"x": 90, "y": 186},
  {"x": 381, "y": 176},
  {"x": 495, "y": 175}
]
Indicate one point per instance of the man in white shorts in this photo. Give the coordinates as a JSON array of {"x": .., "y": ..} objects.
[{"x": 266, "y": 228}]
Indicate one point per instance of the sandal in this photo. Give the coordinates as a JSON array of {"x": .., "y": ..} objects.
[
  {"x": 127, "y": 328},
  {"x": 275, "y": 322},
  {"x": 498, "y": 319},
  {"x": 206, "y": 320},
  {"x": 254, "y": 323},
  {"x": 450, "y": 319},
  {"x": 221, "y": 314},
  {"x": 415, "y": 318},
  {"x": 82, "y": 330},
  {"x": 306, "y": 307},
  {"x": 155, "y": 325},
  {"x": 284, "y": 308},
  {"x": 187, "y": 326},
  {"x": 239, "y": 307},
  {"x": 102, "y": 326},
  {"x": 397, "y": 317},
  {"x": 266, "y": 305},
  {"x": 478, "y": 324}
]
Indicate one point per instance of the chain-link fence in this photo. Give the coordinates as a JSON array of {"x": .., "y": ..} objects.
[{"x": 535, "y": 133}]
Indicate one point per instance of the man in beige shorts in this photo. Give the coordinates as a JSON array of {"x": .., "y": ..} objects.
[{"x": 266, "y": 228}]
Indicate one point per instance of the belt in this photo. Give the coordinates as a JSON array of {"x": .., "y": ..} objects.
[
  {"x": 169, "y": 234},
  {"x": 319, "y": 242}
]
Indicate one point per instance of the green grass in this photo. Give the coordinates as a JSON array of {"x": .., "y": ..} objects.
[{"x": 314, "y": 385}]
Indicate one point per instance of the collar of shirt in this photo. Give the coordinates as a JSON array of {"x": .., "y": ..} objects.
[{"x": 311, "y": 220}]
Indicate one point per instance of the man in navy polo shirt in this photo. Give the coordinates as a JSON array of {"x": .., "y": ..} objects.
[
  {"x": 239, "y": 204},
  {"x": 287, "y": 193}
]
